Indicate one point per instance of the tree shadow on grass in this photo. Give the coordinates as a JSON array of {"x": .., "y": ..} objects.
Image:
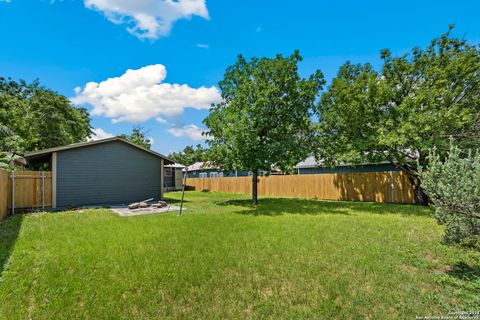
[
  {"x": 279, "y": 206},
  {"x": 9, "y": 230},
  {"x": 174, "y": 201},
  {"x": 463, "y": 271}
]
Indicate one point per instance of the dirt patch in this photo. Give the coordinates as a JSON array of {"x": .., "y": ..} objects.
[{"x": 444, "y": 268}]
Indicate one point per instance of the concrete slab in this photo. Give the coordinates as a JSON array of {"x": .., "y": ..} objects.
[{"x": 124, "y": 211}]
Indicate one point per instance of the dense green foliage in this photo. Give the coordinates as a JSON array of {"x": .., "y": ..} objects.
[
  {"x": 416, "y": 102},
  {"x": 5, "y": 160},
  {"x": 33, "y": 117},
  {"x": 139, "y": 136},
  {"x": 264, "y": 119},
  {"x": 225, "y": 259},
  {"x": 453, "y": 186},
  {"x": 189, "y": 155}
]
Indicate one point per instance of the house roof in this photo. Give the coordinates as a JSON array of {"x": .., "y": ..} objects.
[
  {"x": 16, "y": 159},
  {"x": 40, "y": 153},
  {"x": 200, "y": 166},
  {"x": 310, "y": 162},
  {"x": 176, "y": 165}
]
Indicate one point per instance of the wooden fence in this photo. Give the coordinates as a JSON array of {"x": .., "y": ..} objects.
[
  {"x": 388, "y": 186},
  {"x": 30, "y": 190}
]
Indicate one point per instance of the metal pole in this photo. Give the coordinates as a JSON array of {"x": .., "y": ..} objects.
[
  {"x": 13, "y": 191},
  {"x": 43, "y": 190},
  {"x": 183, "y": 192}
]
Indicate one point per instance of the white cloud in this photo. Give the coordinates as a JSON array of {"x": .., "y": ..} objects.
[
  {"x": 140, "y": 95},
  {"x": 149, "y": 19},
  {"x": 190, "y": 130},
  {"x": 161, "y": 120},
  {"x": 99, "y": 133},
  {"x": 7, "y": 1},
  {"x": 202, "y": 46}
]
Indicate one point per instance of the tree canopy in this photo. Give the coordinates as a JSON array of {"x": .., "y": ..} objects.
[
  {"x": 264, "y": 119},
  {"x": 33, "y": 117},
  {"x": 189, "y": 155},
  {"x": 414, "y": 103}
]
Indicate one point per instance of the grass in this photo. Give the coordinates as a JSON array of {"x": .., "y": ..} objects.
[{"x": 285, "y": 259}]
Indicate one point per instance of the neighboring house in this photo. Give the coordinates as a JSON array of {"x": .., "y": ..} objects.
[
  {"x": 18, "y": 162},
  {"x": 206, "y": 170},
  {"x": 102, "y": 172},
  {"x": 203, "y": 170},
  {"x": 173, "y": 176},
  {"x": 310, "y": 166}
]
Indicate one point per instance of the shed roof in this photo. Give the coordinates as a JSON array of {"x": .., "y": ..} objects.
[{"x": 44, "y": 152}]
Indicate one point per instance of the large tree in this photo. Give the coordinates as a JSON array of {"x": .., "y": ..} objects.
[
  {"x": 264, "y": 119},
  {"x": 416, "y": 102},
  {"x": 33, "y": 117}
]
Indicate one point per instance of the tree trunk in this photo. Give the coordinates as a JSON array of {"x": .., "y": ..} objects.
[
  {"x": 254, "y": 187},
  {"x": 420, "y": 195}
]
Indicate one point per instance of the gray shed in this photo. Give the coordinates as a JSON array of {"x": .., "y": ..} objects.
[{"x": 102, "y": 172}]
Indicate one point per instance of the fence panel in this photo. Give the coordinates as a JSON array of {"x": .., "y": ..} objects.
[
  {"x": 28, "y": 189},
  {"x": 4, "y": 193},
  {"x": 388, "y": 186},
  {"x": 31, "y": 191}
]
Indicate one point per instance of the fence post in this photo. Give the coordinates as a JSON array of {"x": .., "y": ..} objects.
[
  {"x": 43, "y": 189},
  {"x": 12, "y": 176}
]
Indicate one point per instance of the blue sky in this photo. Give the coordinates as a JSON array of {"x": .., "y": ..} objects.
[{"x": 185, "y": 46}]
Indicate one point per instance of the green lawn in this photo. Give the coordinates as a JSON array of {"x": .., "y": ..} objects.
[{"x": 285, "y": 259}]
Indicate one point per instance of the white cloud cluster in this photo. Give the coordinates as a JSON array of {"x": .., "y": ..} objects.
[
  {"x": 140, "y": 95},
  {"x": 99, "y": 134},
  {"x": 149, "y": 19},
  {"x": 190, "y": 130}
]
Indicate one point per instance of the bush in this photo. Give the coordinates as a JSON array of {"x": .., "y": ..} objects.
[{"x": 453, "y": 186}]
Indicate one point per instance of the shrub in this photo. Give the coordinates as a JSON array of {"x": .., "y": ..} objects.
[{"x": 453, "y": 186}]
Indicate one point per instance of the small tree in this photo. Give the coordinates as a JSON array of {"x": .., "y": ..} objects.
[
  {"x": 265, "y": 116},
  {"x": 139, "y": 137},
  {"x": 453, "y": 186}
]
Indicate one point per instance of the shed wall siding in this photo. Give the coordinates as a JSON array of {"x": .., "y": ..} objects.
[
  {"x": 108, "y": 173},
  {"x": 169, "y": 177}
]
